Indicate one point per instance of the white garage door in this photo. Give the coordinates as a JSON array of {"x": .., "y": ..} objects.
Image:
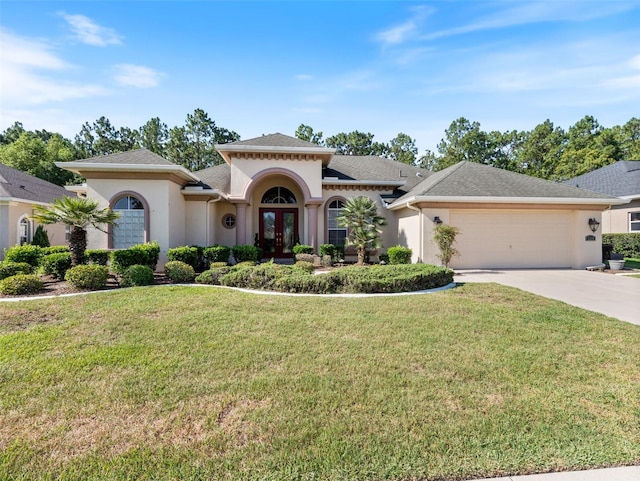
[{"x": 512, "y": 239}]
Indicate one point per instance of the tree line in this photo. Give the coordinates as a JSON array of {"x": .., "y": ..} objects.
[{"x": 547, "y": 151}]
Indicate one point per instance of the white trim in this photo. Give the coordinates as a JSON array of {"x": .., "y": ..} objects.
[
  {"x": 381, "y": 183},
  {"x": 274, "y": 149},
  {"x": 507, "y": 200},
  {"x": 13, "y": 200}
]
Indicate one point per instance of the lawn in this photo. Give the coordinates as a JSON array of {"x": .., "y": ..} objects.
[
  {"x": 632, "y": 263},
  {"x": 196, "y": 383}
]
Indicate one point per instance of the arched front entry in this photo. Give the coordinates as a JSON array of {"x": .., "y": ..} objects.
[{"x": 278, "y": 222}]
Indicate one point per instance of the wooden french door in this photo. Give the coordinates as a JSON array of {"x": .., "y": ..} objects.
[{"x": 278, "y": 229}]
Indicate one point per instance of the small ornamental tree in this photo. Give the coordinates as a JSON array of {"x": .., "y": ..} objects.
[
  {"x": 78, "y": 213},
  {"x": 40, "y": 237},
  {"x": 360, "y": 216},
  {"x": 445, "y": 236}
]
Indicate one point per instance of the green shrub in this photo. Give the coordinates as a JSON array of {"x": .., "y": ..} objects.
[
  {"x": 391, "y": 278},
  {"x": 305, "y": 284},
  {"x": 9, "y": 268},
  {"x": 87, "y": 276},
  {"x": 40, "y": 237},
  {"x": 327, "y": 250},
  {"x": 137, "y": 275},
  {"x": 54, "y": 250},
  {"x": 327, "y": 261},
  {"x": 305, "y": 266},
  {"x": 212, "y": 276},
  {"x": 302, "y": 249},
  {"x": 383, "y": 258},
  {"x": 141, "y": 254},
  {"x": 627, "y": 244},
  {"x": 246, "y": 252},
  {"x": 187, "y": 254},
  {"x": 56, "y": 265},
  {"x": 178, "y": 271},
  {"x": 21, "y": 284},
  {"x": 242, "y": 264},
  {"x": 97, "y": 256},
  {"x": 217, "y": 253},
  {"x": 215, "y": 265},
  {"x": 399, "y": 255},
  {"x": 304, "y": 257},
  {"x": 256, "y": 277},
  {"x": 25, "y": 253}
]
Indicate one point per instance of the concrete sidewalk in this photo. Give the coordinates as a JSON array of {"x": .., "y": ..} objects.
[
  {"x": 613, "y": 295},
  {"x": 629, "y": 473}
]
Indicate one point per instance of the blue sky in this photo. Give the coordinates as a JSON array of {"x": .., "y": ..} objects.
[{"x": 375, "y": 66}]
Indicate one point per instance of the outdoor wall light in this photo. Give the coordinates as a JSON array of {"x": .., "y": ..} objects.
[
  {"x": 593, "y": 224},
  {"x": 437, "y": 220}
]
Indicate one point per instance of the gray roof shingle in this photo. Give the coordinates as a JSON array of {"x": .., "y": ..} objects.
[
  {"x": 275, "y": 140},
  {"x": 132, "y": 157},
  {"x": 470, "y": 179},
  {"x": 216, "y": 177},
  {"x": 19, "y": 185},
  {"x": 621, "y": 179}
]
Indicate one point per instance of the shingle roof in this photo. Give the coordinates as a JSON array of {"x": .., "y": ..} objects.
[
  {"x": 470, "y": 179},
  {"x": 217, "y": 177},
  {"x": 132, "y": 157},
  {"x": 20, "y": 185},
  {"x": 275, "y": 140},
  {"x": 621, "y": 179}
]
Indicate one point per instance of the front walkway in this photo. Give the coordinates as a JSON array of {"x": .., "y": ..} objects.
[
  {"x": 613, "y": 295},
  {"x": 629, "y": 473}
]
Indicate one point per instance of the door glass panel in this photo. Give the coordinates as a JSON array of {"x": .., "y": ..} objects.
[
  {"x": 288, "y": 232},
  {"x": 269, "y": 232}
]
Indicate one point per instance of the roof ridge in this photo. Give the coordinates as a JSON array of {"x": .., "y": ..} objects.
[{"x": 452, "y": 168}]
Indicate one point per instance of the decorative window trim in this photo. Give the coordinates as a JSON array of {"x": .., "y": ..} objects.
[
  {"x": 24, "y": 220},
  {"x": 229, "y": 221},
  {"x": 634, "y": 221},
  {"x": 279, "y": 195}
]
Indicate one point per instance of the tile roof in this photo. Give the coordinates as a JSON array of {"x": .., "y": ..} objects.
[
  {"x": 20, "y": 185},
  {"x": 621, "y": 179},
  {"x": 471, "y": 179},
  {"x": 132, "y": 157}
]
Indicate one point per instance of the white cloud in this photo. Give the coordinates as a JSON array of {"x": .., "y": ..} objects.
[
  {"x": 30, "y": 74},
  {"x": 406, "y": 30},
  {"x": 304, "y": 77},
  {"x": 129, "y": 75},
  {"x": 89, "y": 32},
  {"x": 634, "y": 63}
]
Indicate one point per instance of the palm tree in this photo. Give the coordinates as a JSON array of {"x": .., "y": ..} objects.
[
  {"x": 360, "y": 216},
  {"x": 78, "y": 213}
]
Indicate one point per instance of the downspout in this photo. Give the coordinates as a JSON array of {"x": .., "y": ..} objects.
[
  {"x": 206, "y": 216},
  {"x": 421, "y": 217}
]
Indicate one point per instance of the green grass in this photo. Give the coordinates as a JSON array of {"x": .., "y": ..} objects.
[
  {"x": 196, "y": 383},
  {"x": 632, "y": 263}
]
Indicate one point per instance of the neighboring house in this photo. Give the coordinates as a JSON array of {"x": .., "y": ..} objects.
[
  {"x": 19, "y": 194},
  {"x": 277, "y": 190},
  {"x": 621, "y": 179}
]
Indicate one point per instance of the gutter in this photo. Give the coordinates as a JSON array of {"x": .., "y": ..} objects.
[{"x": 509, "y": 200}]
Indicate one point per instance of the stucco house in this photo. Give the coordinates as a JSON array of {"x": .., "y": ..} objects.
[
  {"x": 277, "y": 190},
  {"x": 621, "y": 179},
  {"x": 19, "y": 194}
]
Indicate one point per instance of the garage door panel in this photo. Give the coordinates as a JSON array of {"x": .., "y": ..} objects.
[{"x": 512, "y": 239}]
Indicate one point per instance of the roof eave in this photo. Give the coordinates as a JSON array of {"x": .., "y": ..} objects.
[
  {"x": 379, "y": 183},
  {"x": 506, "y": 200},
  {"x": 78, "y": 167}
]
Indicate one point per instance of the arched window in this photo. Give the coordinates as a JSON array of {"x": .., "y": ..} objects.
[
  {"x": 279, "y": 195},
  {"x": 336, "y": 234},
  {"x": 130, "y": 227},
  {"x": 25, "y": 234}
]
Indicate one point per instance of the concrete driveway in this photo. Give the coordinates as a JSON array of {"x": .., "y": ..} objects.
[{"x": 613, "y": 295}]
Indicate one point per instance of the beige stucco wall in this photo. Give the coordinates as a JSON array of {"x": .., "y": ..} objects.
[
  {"x": 10, "y": 214},
  {"x": 244, "y": 170},
  {"x": 616, "y": 220},
  {"x": 167, "y": 210}
]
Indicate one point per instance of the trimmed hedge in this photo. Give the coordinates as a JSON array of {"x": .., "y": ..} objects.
[
  {"x": 178, "y": 271},
  {"x": 97, "y": 256},
  {"x": 21, "y": 284},
  {"x": 188, "y": 254},
  {"x": 626, "y": 244},
  {"x": 47, "y": 251},
  {"x": 355, "y": 279},
  {"x": 305, "y": 266},
  {"x": 246, "y": 252},
  {"x": 399, "y": 255},
  {"x": 141, "y": 254},
  {"x": 327, "y": 250},
  {"x": 56, "y": 265},
  {"x": 87, "y": 276},
  {"x": 25, "y": 253},
  {"x": 137, "y": 275},
  {"x": 304, "y": 258},
  {"x": 9, "y": 268},
  {"x": 212, "y": 276},
  {"x": 302, "y": 249},
  {"x": 217, "y": 253}
]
